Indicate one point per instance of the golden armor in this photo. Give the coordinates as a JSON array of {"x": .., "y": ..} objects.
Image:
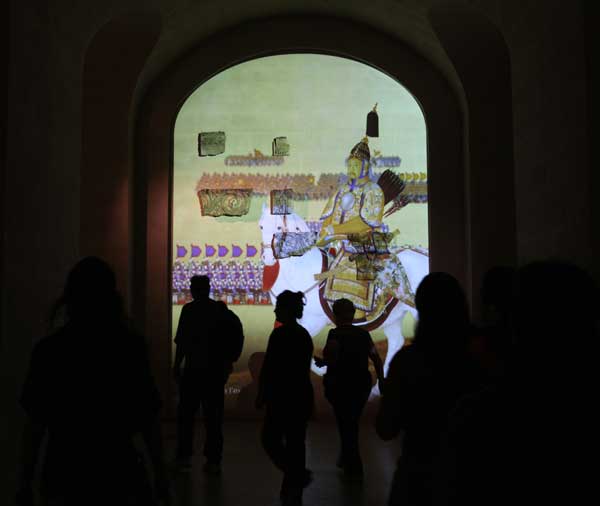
[{"x": 355, "y": 210}]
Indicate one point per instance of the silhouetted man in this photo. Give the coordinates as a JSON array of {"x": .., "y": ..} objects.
[{"x": 209, "y": 339}]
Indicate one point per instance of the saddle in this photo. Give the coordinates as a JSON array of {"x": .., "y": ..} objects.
[{"x": 383, "y": 305}]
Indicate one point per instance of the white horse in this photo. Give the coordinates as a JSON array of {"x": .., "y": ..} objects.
[{"x": 296, "y": 273}]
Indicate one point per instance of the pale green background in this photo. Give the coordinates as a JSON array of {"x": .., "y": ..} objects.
[{"x": 320, "y": 104}]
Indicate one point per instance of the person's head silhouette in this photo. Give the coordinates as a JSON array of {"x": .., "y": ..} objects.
[
  {"x": 90, "y": 293},
  {"x": 555, "y": 313},
  {"x": 200, "y": 287},
  {"x": 343, "y": 310},
  {"x": 443, "y": 313},
  {"x": 289, "y": 306}
]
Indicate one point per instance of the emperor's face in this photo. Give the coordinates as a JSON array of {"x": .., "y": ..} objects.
[{"x": 354, "y": 167}]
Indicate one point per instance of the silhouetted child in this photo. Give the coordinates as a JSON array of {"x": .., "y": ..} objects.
[
  {"x": 89, "y": 389},
  {"x": 286, "y": 391},
  {"x": 348, "y": 380},
  {"x": 209, "y": 339},
  {"x": 423, "y": 384}
]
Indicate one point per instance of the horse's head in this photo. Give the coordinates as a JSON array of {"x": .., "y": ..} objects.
[{"x": 270, "y": 224}]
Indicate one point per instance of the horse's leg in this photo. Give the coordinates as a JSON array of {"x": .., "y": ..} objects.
[
  {"x": 313, "y": 322},
  {"x": 395, "y": 340},
  {"x": 393, "y": 332}
]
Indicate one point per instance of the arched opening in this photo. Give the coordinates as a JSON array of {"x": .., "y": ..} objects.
[
  {"x": 154, "y": 148},
  {"x": 259, "y": 173},
  {"x": 480, "y": 56},
  {"x": 113, "y": 62}
]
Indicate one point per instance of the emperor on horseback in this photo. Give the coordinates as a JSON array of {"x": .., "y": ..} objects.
[
  {"x": 353, "y": 257},
  {"x": 356, "y": 240}
]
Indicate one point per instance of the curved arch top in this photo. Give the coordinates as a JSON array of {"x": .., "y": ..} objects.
[
  {"x": 313, "y": 51},
  {"x": 323, "y": 35},
  {"x": 110, "y": 76},
  {"x": 484, "y": 70}
]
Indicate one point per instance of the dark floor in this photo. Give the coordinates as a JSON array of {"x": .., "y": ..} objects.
[{"x": 249, "y": 478}]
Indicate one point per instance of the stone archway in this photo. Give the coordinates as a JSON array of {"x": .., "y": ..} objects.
[
  {"x": 480, "y": 56},
  {"x": 267, "y": 37},
  {"x": 110, "y": 76}
]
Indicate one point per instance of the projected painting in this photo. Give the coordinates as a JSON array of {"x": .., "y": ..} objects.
[{"x": 277, "y": 186}]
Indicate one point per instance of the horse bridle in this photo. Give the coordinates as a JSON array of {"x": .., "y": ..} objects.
[{"x": 270, "y": 246}]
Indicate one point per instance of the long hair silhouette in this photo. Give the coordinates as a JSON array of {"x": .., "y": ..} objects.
[
  {"x": 443, "y": 325},
  {"x": 90, "y": 295}
]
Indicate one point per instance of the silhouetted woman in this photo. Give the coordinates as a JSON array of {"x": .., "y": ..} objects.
[
  {"x": 348, "y": 380},
  {"x": 89, "y": 390},
  {"x": 286, "y": 391},
  {"x": 423, "y": 384}
]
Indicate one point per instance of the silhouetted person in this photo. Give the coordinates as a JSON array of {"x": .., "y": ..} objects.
[
  {"x": 492, "y": 342},
  {"x": 209, "y": 339},
  {"x": 528, "y": 438},
  {"x": 424, "y": 382},
  {"x": 286, "y": 391},
  {"x": 348, "y": 381},
  {"x": 89, "y": 390}
]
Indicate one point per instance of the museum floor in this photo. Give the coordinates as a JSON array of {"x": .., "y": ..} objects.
[{"x": 248, "y": 477}]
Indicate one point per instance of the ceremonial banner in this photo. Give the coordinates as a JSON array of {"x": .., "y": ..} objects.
[
  {"x": 211, "y": 143},
  {"x": 281, "y": 201},
  {"x": 224, "y": 202},
  {"x": 281, "y": 146}
]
